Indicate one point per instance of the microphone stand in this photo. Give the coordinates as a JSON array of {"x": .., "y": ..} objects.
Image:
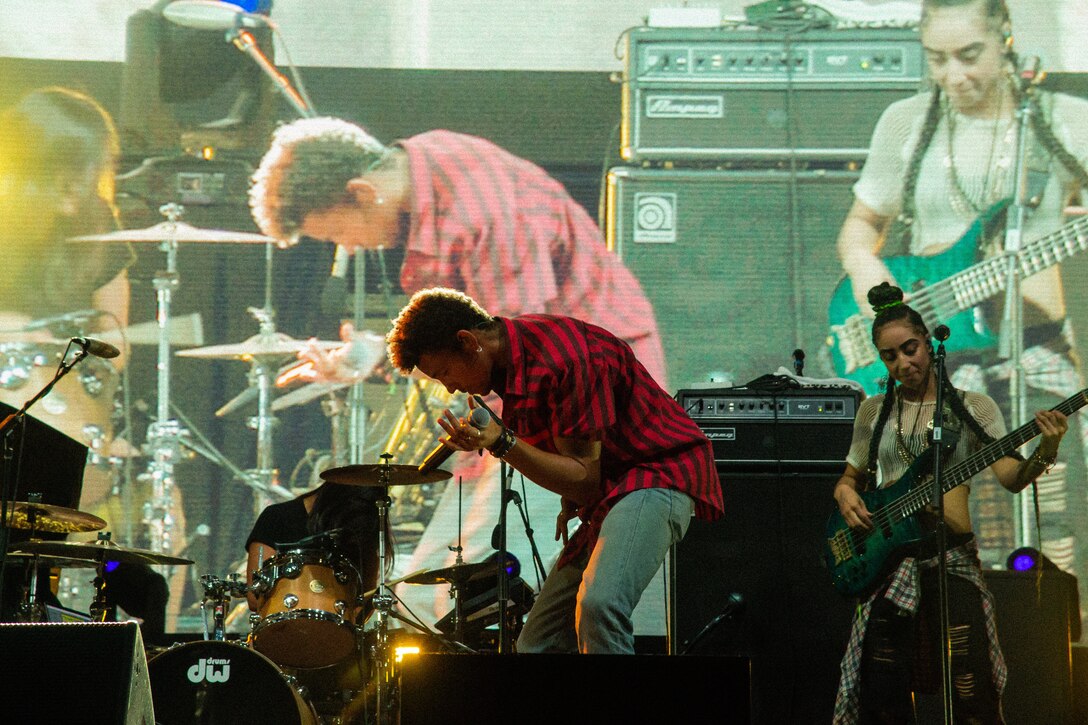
[
  {"x": 1011, "y": 342},
  {"x": 6, "y": 427},
  {"x": 502, "y": 580},
  {"x": 538, "y": 563},
  {"x": 942, "y": 534}
]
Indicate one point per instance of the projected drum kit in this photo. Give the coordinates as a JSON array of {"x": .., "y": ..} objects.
[{"x": 311, "y": 604}]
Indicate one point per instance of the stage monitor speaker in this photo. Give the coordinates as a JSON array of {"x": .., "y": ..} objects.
[
  {"x": 1034, "y": 626},
  {"x": 739, "y": 265},
  {"x": 767, "y": 549},
  {"x": 86, "y": 672},
  {"x": 599, "y": 689}
]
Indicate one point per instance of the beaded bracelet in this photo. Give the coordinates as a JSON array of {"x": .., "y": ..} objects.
[{"x": 504, "y": 444}]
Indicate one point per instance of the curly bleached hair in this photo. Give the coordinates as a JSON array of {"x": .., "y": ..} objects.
[
  {"x": 430, "y": 323},
  {"x": 307, "y": 169}
]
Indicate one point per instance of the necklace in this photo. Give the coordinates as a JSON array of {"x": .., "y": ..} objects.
[
  {"x": 971, "y": 202},
  {"x": 906, "y": 452}
]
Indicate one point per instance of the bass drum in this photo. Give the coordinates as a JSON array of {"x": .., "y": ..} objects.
[{"x": 221, "y": 683}]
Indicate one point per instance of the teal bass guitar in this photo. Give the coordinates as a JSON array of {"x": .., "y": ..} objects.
[
  {"x": 859, "y": 560},
  {"x": 944, "y": 288}
]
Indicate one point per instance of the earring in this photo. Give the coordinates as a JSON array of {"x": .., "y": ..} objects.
[
  {"x": 479, "y": 348},
  {"x": 379, "y": 200}
]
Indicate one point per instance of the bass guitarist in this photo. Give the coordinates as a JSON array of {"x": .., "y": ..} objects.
[
  {"x": 894, "y": 644},
  {"x": 937, "y": 161}
]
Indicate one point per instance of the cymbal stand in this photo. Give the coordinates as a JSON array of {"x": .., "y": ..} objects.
[
  {"x": 455, "y": 591},
  {"x": 99, "y": 608},
  {"x": 263, "y": 372},
  {"x": 383, "y": 605},
  {"x": 356, "y": 407},
  {"x": 165, "y": 434},
  {"x": 30, "y": 610}
]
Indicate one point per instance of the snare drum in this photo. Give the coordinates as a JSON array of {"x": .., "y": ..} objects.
[
  {"x": 221, "y": 683},
  {"x": 308, "y": 607}
]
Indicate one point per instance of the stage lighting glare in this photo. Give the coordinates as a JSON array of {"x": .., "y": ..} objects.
[{"x": 1027, "y": 558}]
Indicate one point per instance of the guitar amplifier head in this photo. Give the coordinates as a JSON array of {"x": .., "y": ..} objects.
[{"x": 803, "y": 429}]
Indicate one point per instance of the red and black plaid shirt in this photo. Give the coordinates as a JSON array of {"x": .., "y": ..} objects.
[{"x": 572, "y": 379}]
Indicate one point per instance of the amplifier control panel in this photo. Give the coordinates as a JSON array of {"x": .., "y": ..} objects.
[{"x": 813, "y": 404}]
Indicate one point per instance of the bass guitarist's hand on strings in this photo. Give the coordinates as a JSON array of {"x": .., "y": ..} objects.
[{"x": 851, "y": 506}]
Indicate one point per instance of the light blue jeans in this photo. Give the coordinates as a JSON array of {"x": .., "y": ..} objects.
[{"x": 586, "y": 606}]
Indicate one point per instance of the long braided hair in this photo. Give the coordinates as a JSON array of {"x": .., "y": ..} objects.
[
  {"x": 887, "y": 303},
  {"x": 997, "y": 14}
]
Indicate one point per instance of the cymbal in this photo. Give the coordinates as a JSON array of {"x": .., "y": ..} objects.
[
  {"x": 276, "y": 345},
  {"x": 59, "y": 562},
  {"x": 54, "y": 519},
  {"x": 371, "y": 592},
  {"x": 305, "y": 394},
  {"x": 177, "y": 232},
  {"x": 185, "y": 330},
  {"x": 379, "y": 474},
  {"x": 456, "y": 574},
  {"x": 98, "y": 551}
]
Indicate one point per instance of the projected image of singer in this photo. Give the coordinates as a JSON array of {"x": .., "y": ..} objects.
[
  {"x": 583, "y": 418},
  {"x": 468, "y": 215}
]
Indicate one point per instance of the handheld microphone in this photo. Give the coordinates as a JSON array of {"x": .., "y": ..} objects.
[
  {"x": 479, "y": 420},
  {"x": 336, "y": 286},
  {"x": 942, "y": 332},
  {"x": 98, "y": 348},
  {"x": 799, "y": 361}
]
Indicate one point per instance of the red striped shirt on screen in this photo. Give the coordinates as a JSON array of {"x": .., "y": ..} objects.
[{"x": 500, "y": 229}]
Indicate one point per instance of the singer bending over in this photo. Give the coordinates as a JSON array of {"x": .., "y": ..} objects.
[
  {"x": 894, "y": 647},
  {"x": 582, "y": 418}
]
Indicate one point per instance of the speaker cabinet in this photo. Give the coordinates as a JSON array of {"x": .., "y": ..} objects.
[
  {"x": 1034, "y": 626},
  {"x": 599, "y": 689},
  {"x": 739, "y": 265},
  {"x": 91, "y": 673},
  {"x": 768, "y": 549}
]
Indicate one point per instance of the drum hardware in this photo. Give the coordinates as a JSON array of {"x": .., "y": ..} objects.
[
  {"x": 101, "y": 552},
  {"x": 36, "y": 517},
  {"x": 218, "y": 593},
  {"x": 165, "y": 436}
]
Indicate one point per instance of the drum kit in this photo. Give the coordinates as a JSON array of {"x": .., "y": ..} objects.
[{"x": 311, "y": 625}]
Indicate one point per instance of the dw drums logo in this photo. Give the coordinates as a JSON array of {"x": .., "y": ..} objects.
[
  {"x": 205, "y": 670},
  {"x": 655, "y": 218}
]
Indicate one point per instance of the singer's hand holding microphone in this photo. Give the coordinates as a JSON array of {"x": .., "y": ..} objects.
[{"x": 477, "y": 431}]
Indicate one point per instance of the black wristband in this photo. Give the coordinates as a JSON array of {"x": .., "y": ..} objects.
[{"x": 504, "y": 444}]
